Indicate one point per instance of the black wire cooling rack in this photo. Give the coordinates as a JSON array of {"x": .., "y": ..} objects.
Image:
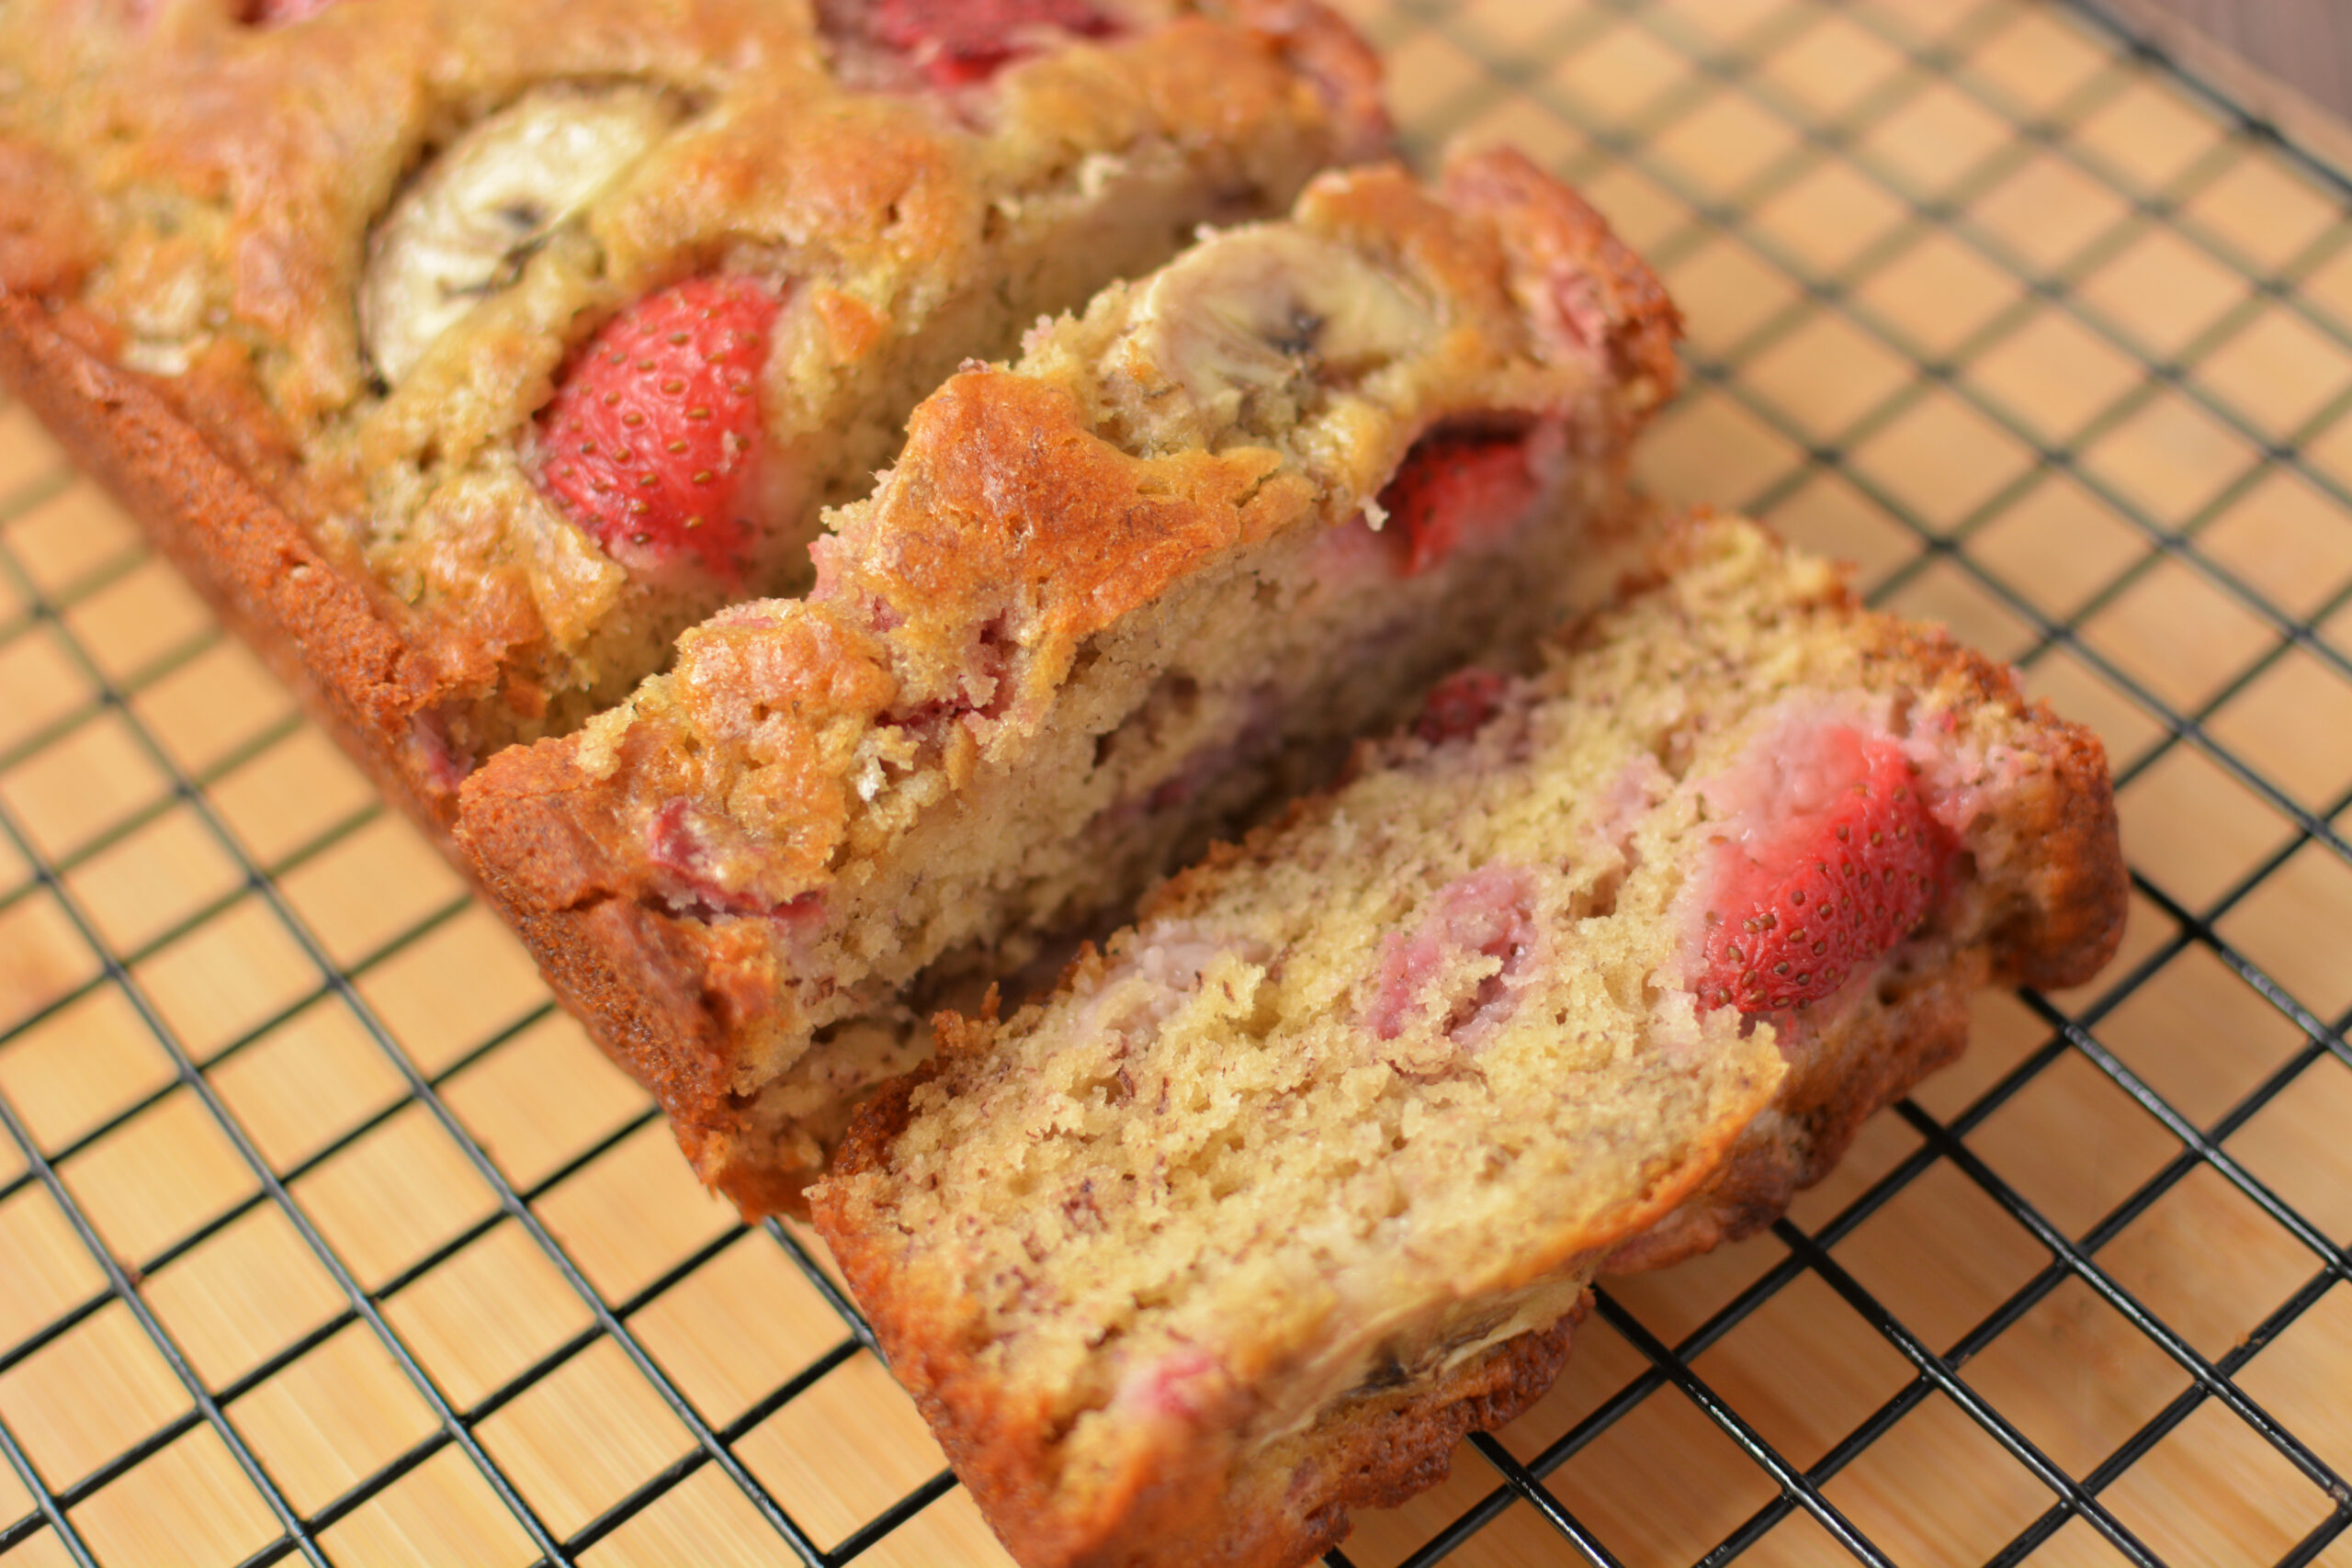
[{"x": 322, "y": 1235}]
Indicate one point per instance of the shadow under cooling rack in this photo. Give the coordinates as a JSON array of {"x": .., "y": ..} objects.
[{"x": 322, "y": 1235}]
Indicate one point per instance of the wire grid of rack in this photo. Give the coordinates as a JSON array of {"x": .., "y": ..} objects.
[{"x": 324, "y": 1236}]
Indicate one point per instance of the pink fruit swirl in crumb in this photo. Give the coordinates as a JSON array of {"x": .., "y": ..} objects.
[{"x": 1458, "y": 964}]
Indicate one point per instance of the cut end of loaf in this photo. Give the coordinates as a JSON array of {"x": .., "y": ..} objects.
[{"x": 1375, "y": 1092}]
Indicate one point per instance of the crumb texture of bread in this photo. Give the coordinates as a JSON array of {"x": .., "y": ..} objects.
[
  {"x": 1363, "y": 1103},
  {"x": 1113, "y": 598},
  {"x": 357, "y": 253}
]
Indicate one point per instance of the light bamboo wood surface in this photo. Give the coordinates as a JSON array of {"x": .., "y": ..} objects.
[{"x": 1977, "y": 300}]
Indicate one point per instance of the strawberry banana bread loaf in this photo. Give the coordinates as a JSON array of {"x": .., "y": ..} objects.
[
  {"x": 466, "y": 353},
  {"x": 1109, "y": 598},
  {"x": 1309, "y": 1173}
]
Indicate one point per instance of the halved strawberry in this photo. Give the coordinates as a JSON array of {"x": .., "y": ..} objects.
[
  {"x": 1833, "y": 890},
  {"x": 655, "y": 427},
  {"x": 1456, "y": 486},
  {"x": 961, "y": 41}
]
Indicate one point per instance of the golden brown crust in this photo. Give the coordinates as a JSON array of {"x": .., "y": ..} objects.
[
  {"x": 229, "y": 118},
  {"x": 1294, "y": 1501},
  {"x": 643, "y": 981},
  {"x": 230, "y": 123},
  {"x": 654, "y": 989},
  {"x": 324, "y": 634},
  {"x": 1380, "y": 1452},
  {"x": 1334, "y": 61},
  {"x": 48, "y": 238},
  {"x": 2069, "y": 920},
  {"x": 1007, "y": 502},
  {"x": 1553, "y": 235}
]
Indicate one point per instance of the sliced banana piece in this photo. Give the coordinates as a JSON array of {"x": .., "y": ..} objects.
[
  {"x": 465, "y": 226},
  {"x": 1253, "y": 309}
]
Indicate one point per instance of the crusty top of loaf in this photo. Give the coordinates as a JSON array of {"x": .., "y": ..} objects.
[
  {"x": 1061, "y": 494},
  {"x": 1035, "y": 505},
  {"x": 201, "y": 193},
  {"x": 229, "y": 174}
]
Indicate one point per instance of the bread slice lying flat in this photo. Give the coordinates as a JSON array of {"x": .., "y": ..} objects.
[
  {"x": 1110, "y": 601},
  {"x": 1308, "y": 1172}
]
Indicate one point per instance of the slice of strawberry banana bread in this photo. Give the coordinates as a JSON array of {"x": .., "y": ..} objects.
[
  {"x": 1109, "y": 599},
  {"x": 466, "y": 353},
  {"x": 1307, "y": 1173}
]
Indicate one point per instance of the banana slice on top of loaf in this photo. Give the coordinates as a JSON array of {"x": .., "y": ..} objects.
[
  {"x": 1111, "y": 600},
  {"x": 464, "y": 353},
  {"x": 1307, "y": 1174}
]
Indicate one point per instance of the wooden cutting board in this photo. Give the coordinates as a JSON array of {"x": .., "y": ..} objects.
[{"x": 322, "y": 1232}]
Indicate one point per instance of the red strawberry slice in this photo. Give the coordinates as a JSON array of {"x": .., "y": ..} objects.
[
  {"x": 1832, "y": 890},
  {"x": 1453, "y": 488},
  {"x": 654, "y": 430},
  {"x": 1459, "y": 706},
  {"x": 963, "y": 41}
]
